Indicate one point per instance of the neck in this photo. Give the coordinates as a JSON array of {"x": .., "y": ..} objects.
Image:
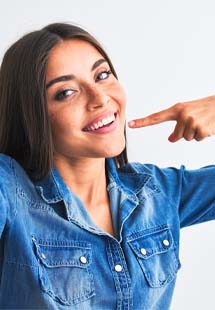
[{"x": 85, "y": 177}]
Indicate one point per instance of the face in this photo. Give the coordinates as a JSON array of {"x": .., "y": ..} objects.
[{"x": 86, "y": 103}]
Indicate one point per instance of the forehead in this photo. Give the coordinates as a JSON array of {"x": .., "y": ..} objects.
[{"x": 71, "y": 56}]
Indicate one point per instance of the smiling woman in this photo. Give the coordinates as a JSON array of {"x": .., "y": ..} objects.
[
  {"x": 81, "y": 93},
  {"x": 80, "y": 227},
  {"x": 28, "y": 138}
]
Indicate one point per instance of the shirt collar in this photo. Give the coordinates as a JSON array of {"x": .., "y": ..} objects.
[
  {"x": 128, "y": 180},
  {"x": 53, "y": 189},
  {"x": 123, "y": 187}
]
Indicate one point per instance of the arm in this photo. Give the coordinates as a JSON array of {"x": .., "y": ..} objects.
[
  {"x": 2, "y": 213},
  {"x": 7, "y": 192},
  {"x": 195, "y": 189},
  {"x": 191, "y": 192}
]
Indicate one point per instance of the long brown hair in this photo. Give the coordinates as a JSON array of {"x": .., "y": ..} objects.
[{"x": 25, "y": 130}]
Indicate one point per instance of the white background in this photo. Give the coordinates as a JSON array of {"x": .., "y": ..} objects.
[{"x": 164, "y": 52}]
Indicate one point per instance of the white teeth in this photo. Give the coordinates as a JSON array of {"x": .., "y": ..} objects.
[
  {"x": 105, "y": 121},
  {"x": 101, "y": 123}
]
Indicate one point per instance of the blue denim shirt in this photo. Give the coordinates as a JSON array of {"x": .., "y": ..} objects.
[{"x": 52, "y": 255}]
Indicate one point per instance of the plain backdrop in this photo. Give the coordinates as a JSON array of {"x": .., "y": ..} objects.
[{"x": 164, "y": 53}]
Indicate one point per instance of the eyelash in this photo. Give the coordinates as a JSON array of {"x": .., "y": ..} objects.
[
  {"x": 62, "y": 94},
  {"x": 106, "y": 71}
]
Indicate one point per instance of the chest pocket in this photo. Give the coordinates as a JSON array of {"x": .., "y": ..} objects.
[
  {"x": 155, "y": 252},
  {"x": 65, "y": 270}
]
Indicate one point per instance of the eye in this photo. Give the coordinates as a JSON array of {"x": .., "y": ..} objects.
[
  {"x": 63, "y": 94},
  {"x": 103, "y": 75}
]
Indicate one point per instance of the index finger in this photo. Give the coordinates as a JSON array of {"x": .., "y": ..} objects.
[{"x": 155, "y": 118}]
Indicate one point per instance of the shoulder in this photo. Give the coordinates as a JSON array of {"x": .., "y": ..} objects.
[
  {"x": 6, "y": 168},
  {"x": 150, "y": 169},
  {"x": 10, "y": 173},
  {"x": 151, "y": 174},
  {"x": 7, "y": 186},
  {"x": 5, "y": 161}
]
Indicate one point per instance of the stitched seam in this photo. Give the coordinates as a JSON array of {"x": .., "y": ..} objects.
[{"x": 20, "y": 264}]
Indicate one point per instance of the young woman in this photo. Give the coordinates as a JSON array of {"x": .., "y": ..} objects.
[{"x": 81, "y": 228}]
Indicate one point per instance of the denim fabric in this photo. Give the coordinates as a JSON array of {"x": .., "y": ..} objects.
[{"x": 52, "y": 255}]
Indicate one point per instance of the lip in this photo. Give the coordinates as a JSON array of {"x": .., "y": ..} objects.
[
  {"x": 99, "y": 118},
  {"x": 106, "y": 129}
]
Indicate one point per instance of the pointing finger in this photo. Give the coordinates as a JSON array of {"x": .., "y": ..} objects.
[{"x": 155, "y": 118}]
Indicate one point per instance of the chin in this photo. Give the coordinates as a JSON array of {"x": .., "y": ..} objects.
[{"x": 114, "y": 150}]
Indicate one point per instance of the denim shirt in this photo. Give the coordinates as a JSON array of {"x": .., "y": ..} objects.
[{"x": 52, "y": 255}]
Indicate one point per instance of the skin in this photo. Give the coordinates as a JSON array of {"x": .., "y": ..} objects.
[
  {"x": 194, "y": 119},
  {"x": 79, "y": 155}
]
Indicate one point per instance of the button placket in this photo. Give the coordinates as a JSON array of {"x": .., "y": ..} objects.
[
  {"x": 120, "y": 274},
  {"x": 118, "y": 268}
]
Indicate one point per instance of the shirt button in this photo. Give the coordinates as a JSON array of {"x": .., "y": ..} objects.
[
  {"x": 118, "y": 268},
  {"x": 143, "y": 251},
  {"x": 166, "y": 242},
  {"x": 83, "y": 259}
]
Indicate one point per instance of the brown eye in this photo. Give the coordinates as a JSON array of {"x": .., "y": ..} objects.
[
  {"x": 63, "y": 94},
  {"x": 103, "y": 75}
]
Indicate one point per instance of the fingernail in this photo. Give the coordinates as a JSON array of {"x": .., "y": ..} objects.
[
  {"x": 131, "y": 123},
  {"x": 171, "y": 138}
]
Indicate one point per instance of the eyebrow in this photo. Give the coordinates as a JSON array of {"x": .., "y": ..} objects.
[{"x": 70, "y": 77}]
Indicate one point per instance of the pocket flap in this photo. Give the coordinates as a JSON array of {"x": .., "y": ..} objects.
[
  {"x": 63, "y": 254},
  {"x": 155, "y": 252},
  {"x": 148, "y": 243}
]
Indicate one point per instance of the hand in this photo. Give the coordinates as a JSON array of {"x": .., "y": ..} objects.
[{"x": 195, "y": 119}]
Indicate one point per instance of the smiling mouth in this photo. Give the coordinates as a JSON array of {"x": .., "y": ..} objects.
[{"x": 105, "y": 122}]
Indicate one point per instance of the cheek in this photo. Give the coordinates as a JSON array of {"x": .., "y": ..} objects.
[
  {"x": 61, "y": 124},
  {"x": 119, "y": 95}
]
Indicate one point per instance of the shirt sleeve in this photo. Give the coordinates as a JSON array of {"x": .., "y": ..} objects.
[
  {"x": 3, "y": 209},
  {"x": 7, "y": 192},
  {"x": 197, "y": 202},
  {"x": 191, "y": 191}
]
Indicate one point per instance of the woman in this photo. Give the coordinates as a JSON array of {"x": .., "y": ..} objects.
[{"x": 80, "y": 227}]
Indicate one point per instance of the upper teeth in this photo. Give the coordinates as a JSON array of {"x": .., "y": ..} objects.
[{"x": 101, "y": 123}]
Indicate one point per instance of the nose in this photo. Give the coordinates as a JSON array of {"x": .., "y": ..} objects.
[{"x": 96, "y": 97}]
